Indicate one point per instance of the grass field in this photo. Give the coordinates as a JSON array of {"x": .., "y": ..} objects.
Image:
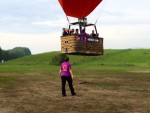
[{"x": 117, "y": 82}]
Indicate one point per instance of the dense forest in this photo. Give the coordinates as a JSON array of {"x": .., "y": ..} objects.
[{"x": 14, "y": 53}]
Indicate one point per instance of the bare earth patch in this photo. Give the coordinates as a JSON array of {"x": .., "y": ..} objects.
[{"x": 105, "y": 95}]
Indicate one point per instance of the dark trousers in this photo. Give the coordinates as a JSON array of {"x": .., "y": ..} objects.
[{"x": 69, "y": 80}]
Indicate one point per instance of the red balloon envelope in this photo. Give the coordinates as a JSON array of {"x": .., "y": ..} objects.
[{"x": 79, "y": 8}]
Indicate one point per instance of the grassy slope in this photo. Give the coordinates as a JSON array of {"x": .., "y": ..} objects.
[
  {"x": 111, "y": 61},
  {"x": 111, "y": 83},
  {"x": 135, "y": 57}
]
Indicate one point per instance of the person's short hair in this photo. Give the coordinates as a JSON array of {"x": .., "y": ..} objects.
[{"x": 66, "y": 59}]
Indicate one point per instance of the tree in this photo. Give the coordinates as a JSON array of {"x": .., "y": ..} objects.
[
  {"x": 5, "y": 55},
  {"x": 18, "y": 52},
  {"x": 1, "y": 54},
  {"x": 27, "y": 51},
  {"x": 14, "y": 53}
]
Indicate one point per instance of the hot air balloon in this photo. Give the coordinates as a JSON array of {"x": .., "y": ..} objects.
[{"x": 81, "y": 43}]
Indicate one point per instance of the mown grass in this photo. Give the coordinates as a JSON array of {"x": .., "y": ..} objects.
[{"x": 117, "y": 82}]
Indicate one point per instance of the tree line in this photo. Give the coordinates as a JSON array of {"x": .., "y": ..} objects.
[{"x": 14, "y": 53}]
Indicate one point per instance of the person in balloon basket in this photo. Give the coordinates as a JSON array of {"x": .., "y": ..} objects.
[
  {"x": 64, "y": 33},
  {"x": 93, "y": 34},
  {"x": 66, "y": 75}
]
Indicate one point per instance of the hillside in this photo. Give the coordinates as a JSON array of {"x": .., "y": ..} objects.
[{"x": 127, "y": 57}]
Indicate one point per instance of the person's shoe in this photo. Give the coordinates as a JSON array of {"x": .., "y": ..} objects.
[
  {"x": 73, "y": 94},
  {"x": 64, "y": 95}
]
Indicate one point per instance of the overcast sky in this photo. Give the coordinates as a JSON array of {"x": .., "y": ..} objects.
[{"x": 37, "y": 24}]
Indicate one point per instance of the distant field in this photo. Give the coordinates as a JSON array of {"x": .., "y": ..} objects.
[{"x": 117, "y": 82}]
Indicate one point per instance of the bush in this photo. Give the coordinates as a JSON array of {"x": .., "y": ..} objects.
[{"x": 57, "y": 59}]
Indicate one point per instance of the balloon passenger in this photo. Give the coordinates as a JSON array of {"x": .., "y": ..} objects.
[
  {"x": 76, "y": 32},
  {"x": 71, "y": 32},
  {"x": 64, "y": 33},
  {"x": 66, "y": 75},
  {"x": 93, "y": 34},
  {"x": 84, "y": 35},
  {"x": 83, "y": 32}
]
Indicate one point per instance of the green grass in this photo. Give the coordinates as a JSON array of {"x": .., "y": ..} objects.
[{"x": 121, "y": 58}]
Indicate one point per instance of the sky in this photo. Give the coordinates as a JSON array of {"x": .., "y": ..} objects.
[{"x": 37, "y": 24}]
